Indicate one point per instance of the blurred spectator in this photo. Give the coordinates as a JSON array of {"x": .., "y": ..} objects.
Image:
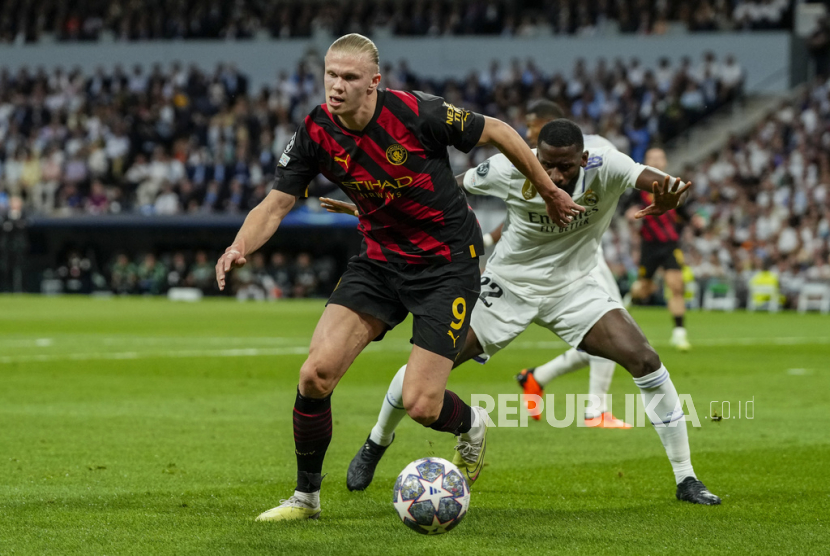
[
  {"x": 305, "y": 277},
  {"x": 819, "y": 45},
  {"x": 97, "y": 202},
  {"x": 252, "y": 281},
  {"x": 123, "y": 276},
  {"x": 247, "y": 19},
  {"x": 280, "y": 273},
  {"x": 14, "y": 244},
  {"x": 177, "y": 271},
  {"x": 151, "y": 275},
  {"x": 202, "y": 274},
  {"x": 76, "y": 274}
]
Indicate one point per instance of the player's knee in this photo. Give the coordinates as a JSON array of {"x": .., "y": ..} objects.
[
  {"x": 423, "y": 411},
  {"x": 645, "y": 362},
  {"x": 316, "y": 380}
]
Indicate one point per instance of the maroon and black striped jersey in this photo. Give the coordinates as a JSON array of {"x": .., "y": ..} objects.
[
  {"x": 397, "y": 172},
  {"x": 661, "y": 228}
]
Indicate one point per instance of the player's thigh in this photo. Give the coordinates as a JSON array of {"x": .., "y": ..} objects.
[
  {"x": 499, "y": 316},
  {"x": 674, "y": 281},
  {"x": 616, "y": 336},
  {"x": 572, "y": 314},
  {"x": 605, "y": 278},
  {"x": 370, "y": 288},
  {"x": 652, "y": 257},
  {"x": 339, "y": 337},
  {"x": 441, "y": 299}
]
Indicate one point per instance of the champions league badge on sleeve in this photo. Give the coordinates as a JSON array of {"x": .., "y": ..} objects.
[{"x": 483, "y": 168}]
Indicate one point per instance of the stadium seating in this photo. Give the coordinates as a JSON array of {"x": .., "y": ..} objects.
[
  {"x": 251, "y": 19},
  {"x": 185, "y": 141},
  {"x": 814, "y": 297}
]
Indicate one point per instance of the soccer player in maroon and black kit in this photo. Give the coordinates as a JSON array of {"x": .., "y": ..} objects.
[
  {"x": 388, "y": 152},
  {"x": 660, "y": 248}
]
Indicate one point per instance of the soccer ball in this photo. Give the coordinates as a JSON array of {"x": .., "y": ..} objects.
[{"x": 431, "y": 496}]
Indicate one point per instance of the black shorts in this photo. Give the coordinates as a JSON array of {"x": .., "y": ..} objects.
[
  {"x": 440, "y": 297},
  {"x": 654, "y": 255}
]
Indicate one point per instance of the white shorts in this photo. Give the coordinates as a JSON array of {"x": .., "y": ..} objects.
[
  {"x": 605, "y": 277},
  {"x": 498, "y": 319}
]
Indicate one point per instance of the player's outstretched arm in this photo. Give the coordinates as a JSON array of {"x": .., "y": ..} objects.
[
  {"x": 560, "y": 207},
  {"x": 667, "y": 195},
  {"x": 259, "y": 226}
]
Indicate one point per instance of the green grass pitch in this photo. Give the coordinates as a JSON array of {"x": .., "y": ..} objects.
[{"x": 140, "y": 426}]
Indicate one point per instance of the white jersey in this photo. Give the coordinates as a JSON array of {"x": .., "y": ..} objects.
[
  {"x": 591, "y": 143},
  {"x": 534, "y": 255}
]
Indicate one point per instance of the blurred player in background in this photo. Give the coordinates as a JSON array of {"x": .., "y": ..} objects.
[
  {"x": 387, "y": 150},
  {"x": 660, "y": 248}
]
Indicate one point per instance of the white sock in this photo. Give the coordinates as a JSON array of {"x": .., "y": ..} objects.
[
  {"x": 476, "y": 432},
  {"x": 391, "y": 412},
  {"x": 310, "y": 499},
  {"x": 602, "y": 370},
  {"x": 570, "y": 361},
  {"x": 671, "y": 426}
]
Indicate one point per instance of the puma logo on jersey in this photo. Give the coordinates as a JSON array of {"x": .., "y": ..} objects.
[
  {"x": 454, "y": 338},
  {"x": 344, "y": 161}
]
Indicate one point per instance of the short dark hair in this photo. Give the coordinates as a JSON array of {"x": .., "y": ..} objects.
[
  {"x": 561, "y": 133},
  {"x": 545, "y": 110}
]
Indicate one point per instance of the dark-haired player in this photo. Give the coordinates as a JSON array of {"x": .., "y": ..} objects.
[
  {"x": 660, "y": 248},
  {"x": 535, "y": 379},
  {"x": 387, "y": 150},
  {"x": 540, "y": 273}
]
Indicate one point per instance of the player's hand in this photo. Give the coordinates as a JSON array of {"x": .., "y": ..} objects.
[
  {"x": 333, "y": 205},
  {"x": 232, "y": 258},
  {"x": 666, "y": 197},
  {"x": 561, "y": 208}
]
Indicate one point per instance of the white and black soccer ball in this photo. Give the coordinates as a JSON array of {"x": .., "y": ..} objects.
[{"x": 431, "y": 496}]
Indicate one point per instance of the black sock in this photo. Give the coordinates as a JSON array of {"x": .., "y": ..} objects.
[
  {"x": 312, "y": 435},
  {"x": 678, "y": 321},
  {"x": 456, "y": 416}
]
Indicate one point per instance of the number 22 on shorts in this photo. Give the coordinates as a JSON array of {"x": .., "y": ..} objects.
[{"x": 459, "y": 311}]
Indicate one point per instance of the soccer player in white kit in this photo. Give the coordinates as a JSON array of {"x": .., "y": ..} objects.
[
  {"x": 541, "y": 273},
  {"x": 534, "y": 380}
]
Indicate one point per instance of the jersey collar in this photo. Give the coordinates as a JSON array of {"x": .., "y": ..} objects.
[{"x": 580, "y": 184}]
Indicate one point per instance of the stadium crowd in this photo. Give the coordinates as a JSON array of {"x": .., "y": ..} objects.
[
  {"x": 268, "y": 276},
  {"x": 131, "y": 20},
  {"x": 761, "y": 205},
  {"x": 189, "y": 141}
]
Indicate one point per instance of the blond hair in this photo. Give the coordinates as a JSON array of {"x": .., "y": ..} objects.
[{"x": 357, "y": 44}]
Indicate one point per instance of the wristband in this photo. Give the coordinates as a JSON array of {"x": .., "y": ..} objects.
[{"x": 488, "y": 240}]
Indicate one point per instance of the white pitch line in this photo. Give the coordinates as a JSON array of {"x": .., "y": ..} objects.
[
  {"x": 140, "y": 341},
  {"x": 387, "y": 346},
  {"x": 91, "y": 356}
]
